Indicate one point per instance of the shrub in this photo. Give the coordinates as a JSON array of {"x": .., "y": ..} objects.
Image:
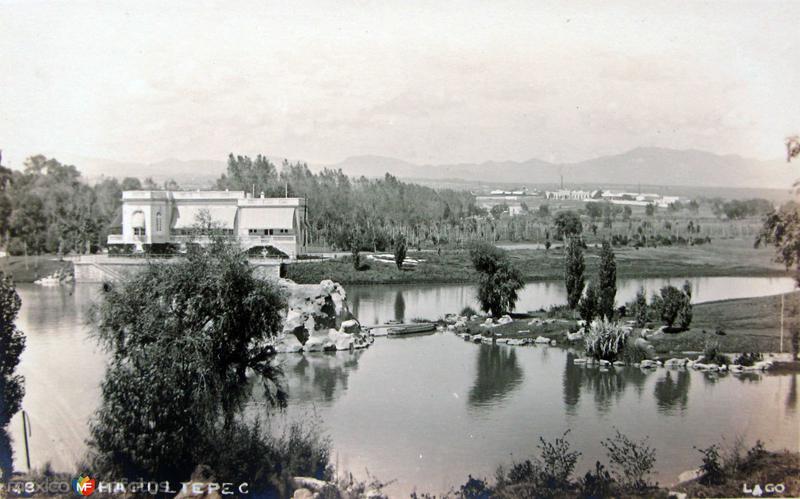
[
  {"x": 605, "y": 340},
  {"x": 557, "y": 462},
  {"x": 747, "y": 359},
  {"x": 475, "y": 488},
  {"x": 468, "y": 312},
  {"x": 634, "y": 352},
  {"x": 597, "y": 484},
  {"x": 711, "y": 467},
  {"x": 632, "y": 462},
  {"x": 121, "y": 249},
  {"x": 712, "y": 355}
]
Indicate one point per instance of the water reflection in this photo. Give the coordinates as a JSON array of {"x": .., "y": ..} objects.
[
  {"x": 399, "y": 307},
  {"x": 672, "y": 391},
  {"x": 791, "y": 397},
  {"x": 497, "y": 375},
  {"x": 607, "y": 386},
  {"x": 319, "y": 376}
]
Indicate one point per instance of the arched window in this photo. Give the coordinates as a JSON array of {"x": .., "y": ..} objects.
[
  {"x": 158, "y": 221},
  {"x": 137, "y": 223}
]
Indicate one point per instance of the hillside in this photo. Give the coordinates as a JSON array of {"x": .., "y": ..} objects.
[{"x": 646, "y": 166}]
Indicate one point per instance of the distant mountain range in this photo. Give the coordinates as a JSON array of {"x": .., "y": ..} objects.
[{"x": 644, "y": 165}]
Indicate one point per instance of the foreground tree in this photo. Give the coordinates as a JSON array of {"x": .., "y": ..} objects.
[
  {"x": 607, "y": 281},
  {"x": 12, "y": 388},
  {"x": 182, "y": 337},
  {"x": 499, "y": 281},
  {"x": 574, "y": 268}
]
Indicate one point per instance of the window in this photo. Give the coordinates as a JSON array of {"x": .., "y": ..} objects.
[
  {"x": 158, "y": 221},
  {"x": 139, "y": 231}
]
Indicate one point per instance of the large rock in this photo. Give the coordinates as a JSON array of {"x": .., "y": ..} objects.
[{"x": 318, "y": 319}]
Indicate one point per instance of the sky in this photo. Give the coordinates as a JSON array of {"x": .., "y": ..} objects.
[{"x": 426, "y": 82}]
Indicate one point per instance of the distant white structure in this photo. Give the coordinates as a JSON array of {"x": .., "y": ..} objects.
[
  {"x": 638, "y": 199},
  {"x": 578, "y": 195},
  {"x": 159, "y": 217}
]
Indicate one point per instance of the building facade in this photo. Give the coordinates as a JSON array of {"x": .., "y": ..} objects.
[{"x": 276, "y": 226}]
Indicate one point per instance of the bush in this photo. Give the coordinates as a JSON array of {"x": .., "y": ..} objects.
[
  {"x": 711, "y": 467},
  {"x": 468, "y": 312},
  {"x": 400, "y": 249},
  {"x": 597, "y": 484},
  {"x": 541, "y": 477},
  {"x": 712, "y": 355},
  {"x": 634, "y": 353},
  {"x": 605, "y": 340},
  {"x": 747, "y": 359},
  {"x": 121, "y": 249},
  {"x": 632, "y": 462}
]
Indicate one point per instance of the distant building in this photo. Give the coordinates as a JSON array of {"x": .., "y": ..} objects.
[{"x": 160, "y": 217}]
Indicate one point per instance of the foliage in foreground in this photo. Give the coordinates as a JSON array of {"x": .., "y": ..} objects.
[
  {"x": 182, "y": 338},
  {"x": 550, "y": 474},
  {"x": 499, "y": 281},
  {"x": 12, "y": 343}
]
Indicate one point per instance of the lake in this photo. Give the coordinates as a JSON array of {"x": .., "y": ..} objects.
[{"x": 428, "y": 410}]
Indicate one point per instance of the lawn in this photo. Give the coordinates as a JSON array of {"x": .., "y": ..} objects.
[
  {"x": 724, "y": 257},
  {"x": 31, "y": 268}
]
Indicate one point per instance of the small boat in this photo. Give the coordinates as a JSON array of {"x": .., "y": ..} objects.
[{"x": 412, "y": 328}]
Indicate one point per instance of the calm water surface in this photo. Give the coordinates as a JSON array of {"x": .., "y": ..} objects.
[{"x": 427, "y": 410}]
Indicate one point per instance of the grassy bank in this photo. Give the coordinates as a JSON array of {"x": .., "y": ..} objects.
[
  {"x": 737, "y": 326},
  {"x": 730, "y": 257},
  {"x": 31, "y": 268}
]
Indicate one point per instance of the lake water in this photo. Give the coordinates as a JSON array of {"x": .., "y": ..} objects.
[{"x": 428, "y": 410}]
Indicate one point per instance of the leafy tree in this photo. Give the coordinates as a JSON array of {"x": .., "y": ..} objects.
[
  {"x": 640, "y": 313},
  {"x": 626, "y": 213},
  {"x": 400, "y": 248},
  {"x": 568, "y": 224},
  {"x": 499, "y": 281},
  {"x": 12, "y": 343},
  {"x": 251, "y": 175},
  {"x": 674, "y": 306},
  {"x": 650, "y": 209},
  {"x": 607, "y": 281},
  {"x": 594, "y": 210},
  {"x": 588, "y": 305},
  {"x": 544, "y": 211},
  {"x": 182, "y": 337},
  {"x": 131, "y": 184},
  {"x": 574, "y": 268},
  {"x": 498, "y": 210}
]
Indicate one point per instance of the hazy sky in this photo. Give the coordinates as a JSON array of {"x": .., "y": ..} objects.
[{"x": 421, "y": 81}]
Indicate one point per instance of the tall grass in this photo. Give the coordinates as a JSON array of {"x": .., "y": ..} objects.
[{"x": 605, "y": 340}]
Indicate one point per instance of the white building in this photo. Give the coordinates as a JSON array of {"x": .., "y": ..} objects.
[{"x": 161, "y": 217}]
